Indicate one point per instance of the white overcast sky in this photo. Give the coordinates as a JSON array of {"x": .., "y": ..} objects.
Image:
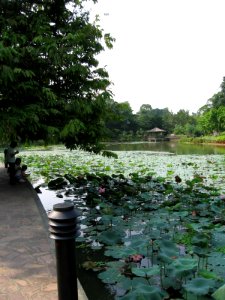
[{"x": 168, "y": 53}]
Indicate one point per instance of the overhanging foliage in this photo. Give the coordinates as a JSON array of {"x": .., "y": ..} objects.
[{"x": 51, "y": 87}]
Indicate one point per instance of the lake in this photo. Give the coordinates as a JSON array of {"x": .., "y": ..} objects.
[
  {"x": 166, "y": 159},
  {"x": 171, "y": 147},
  {"x": 159, "y": 158}
]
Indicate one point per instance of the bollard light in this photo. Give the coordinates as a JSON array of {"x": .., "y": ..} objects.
[{"x": 64, "y": 228}]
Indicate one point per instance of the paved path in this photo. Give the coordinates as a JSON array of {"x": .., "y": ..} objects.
[{"x": 27, "y": 258}]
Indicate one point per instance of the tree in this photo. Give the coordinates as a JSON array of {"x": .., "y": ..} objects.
[
  {"x": 208, "y": 121},
  {"x": 212, "y": 115},
  {"x": 121, "y": 119},
  {"x": 182, "y": 117},
  {"x": 50, "y": 82},
  {"x": 149, "y": 118}
]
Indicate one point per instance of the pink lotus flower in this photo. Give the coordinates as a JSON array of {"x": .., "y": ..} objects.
[
  {"x": 101, "y": 190},
  {"x": 136, "y": 258}
]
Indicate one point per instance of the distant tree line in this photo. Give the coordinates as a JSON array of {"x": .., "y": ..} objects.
[{"x": 123, "y": 125}]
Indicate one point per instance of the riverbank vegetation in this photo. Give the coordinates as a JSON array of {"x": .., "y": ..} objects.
[
  {"x": 220, "y": 139},
  {"x": 206, "y": 125}
]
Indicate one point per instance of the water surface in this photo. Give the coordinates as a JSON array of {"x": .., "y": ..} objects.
[{"x": 171, "y": 147}]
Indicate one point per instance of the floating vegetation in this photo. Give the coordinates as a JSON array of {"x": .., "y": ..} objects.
[{"x": 158, "y": 222}]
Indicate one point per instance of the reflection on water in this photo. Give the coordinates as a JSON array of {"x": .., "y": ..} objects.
[{"x": 171, "y": 147}]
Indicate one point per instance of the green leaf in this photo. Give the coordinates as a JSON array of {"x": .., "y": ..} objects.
[
  {"x": 146, "y": 272},
  {"x": 111, "y": 276},
  {"x": 168, "y": 251},
  {"x": 199, "y": 286},
  {"x": 183, "y": 266},
  {"x": 145, "y": 292},
  {"x": 111, "y": 237},
  {"x": 219, "y": 294},
  {"x": 209, "y": 275}
]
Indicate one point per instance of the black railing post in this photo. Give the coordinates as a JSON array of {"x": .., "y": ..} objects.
[{"x": 64, "y": 228}]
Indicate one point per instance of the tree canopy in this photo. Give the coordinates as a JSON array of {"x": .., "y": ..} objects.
[
  {"x": 212, "y": 114},
  {"x": 50, "y": 82}
]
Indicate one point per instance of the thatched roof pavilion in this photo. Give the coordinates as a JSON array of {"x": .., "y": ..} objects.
[{"x": 156, "y": 134}]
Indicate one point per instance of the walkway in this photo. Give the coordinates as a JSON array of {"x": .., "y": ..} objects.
[{"x": 27, "y": 258}]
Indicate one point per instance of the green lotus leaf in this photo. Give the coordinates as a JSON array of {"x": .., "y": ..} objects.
[
  {"x": 111, "y": 237},
  {"x": 120, "y": 251},
  {"x": 168, "y": 250},
  {"x": 139, "y": 243},
  {"x": 201, "y": 252},
  {"x": 219, "y": 294},
  {"x": 200, "y": 240},
  {"x": 199, "y": 286},
  {"x": 146, "y": 196},
  {"x": 116, "y": 264},
  {"x": 131, "y": 284},
  {"x": 136, "y": 245},
  {"x": 209, "y": 275},
  {"x": 111, "y": 276},
  {"x": 183, "y": 266},
  {"x": 146, "y": 272},
  {"x": 57, "y": 183},
  {"x": 181, "y": 214},
  {"x": 145, "y": 292},
  {"x": 70, "y": 178}
]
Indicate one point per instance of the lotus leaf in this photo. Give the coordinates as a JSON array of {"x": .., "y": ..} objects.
[
  {"x": 201, "y": 252},
  {"x": 201, "y": 240},
  {"x": 146, "y": 272},
  {"x": 120, "y": 251},
  {"x": 168, "y": 251},
  {"x": 199, "y": 286},
  {"x": 209, "y": 275},
  {"x": 138, "y": 242},
  {"x": 183, "y": 266},
  {"x": 146, "y": 196},
  {"x": 111, "y": 237},
  {"x": 219, "y": 294},
  {"x": 111, "y": 276},
  {"x": 115, "y": 264},
  {"x": 145, "y": 292},
  {"x": 57, "y": 183},
  {"x": 131, "y": 283}
]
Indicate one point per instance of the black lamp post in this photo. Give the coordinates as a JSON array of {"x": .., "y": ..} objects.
[{"x": 64, "y": 228}]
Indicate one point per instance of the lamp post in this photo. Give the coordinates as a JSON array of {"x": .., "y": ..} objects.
[{"x": 64, "y": 228}]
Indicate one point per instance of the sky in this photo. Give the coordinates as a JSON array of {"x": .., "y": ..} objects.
[{"x": 167, "y": 53}]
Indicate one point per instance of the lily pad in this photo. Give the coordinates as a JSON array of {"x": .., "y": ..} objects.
[
  {"x": 111, "y": 276},
  {"x": 145, "y": 292},
  {"x": 168, "y": 251},
  {"x": 146, "y": 272},
  {"x": 183, "y": 266},
  {"x": 219, "y": 294},
  {"x": 199, "y": 286},
  {"x": 57, "y": 183},
  {"x": 111, "y": 237}
]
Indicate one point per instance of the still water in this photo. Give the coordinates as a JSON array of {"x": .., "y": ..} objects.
[{"x": 171, "y": 147}]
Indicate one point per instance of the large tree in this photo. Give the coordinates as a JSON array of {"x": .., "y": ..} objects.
[
  {"x": 149, "y": 118},
  {"x": 50, "y": 82},
  {"x": 211, "y": 116}
]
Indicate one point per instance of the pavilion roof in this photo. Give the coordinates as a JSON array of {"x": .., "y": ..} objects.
[{"x": 156, "y": 129}]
